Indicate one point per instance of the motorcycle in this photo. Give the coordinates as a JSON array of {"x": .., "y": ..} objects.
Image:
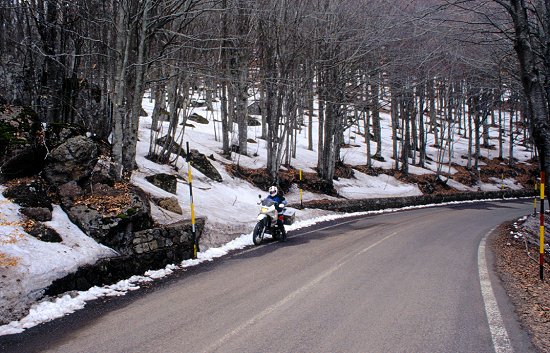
[{"x": 268, "y": 222}]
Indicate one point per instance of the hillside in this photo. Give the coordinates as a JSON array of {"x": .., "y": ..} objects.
[{"x": 229, "y": 206}]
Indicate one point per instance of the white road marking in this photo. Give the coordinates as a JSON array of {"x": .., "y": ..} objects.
[
  {"x": 218, "y": 344},
  {"x": 501, "y": 342}
]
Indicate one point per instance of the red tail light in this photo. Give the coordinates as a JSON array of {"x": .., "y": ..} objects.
[{"x": 281, "y": 218}]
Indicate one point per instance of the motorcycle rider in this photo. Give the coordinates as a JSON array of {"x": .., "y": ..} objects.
[{"x": 278, "y": 199}]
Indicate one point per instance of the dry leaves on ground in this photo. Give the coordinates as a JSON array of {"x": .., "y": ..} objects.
[{"x": 530, "y": 295}]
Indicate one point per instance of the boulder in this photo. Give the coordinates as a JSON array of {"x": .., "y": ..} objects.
[
  {"x": 102, "y": 172},
  {"x": 170, "y": 204},
  {"x": 31, "y": 194},
  {"x": 198, "y": 118},
  {"x": 41, "y": 214},
  {"x": 111, "y": 215},
  {"x": 72, "y": 160},
  {"x": 202, "y": 164},
  {"x": 200, "y": 161},
  {"x": 166, "y": 182},
  {"x": 27, "y": 162},
  {"x": 59, "y": 133},
  {"x": 44, "y": 233},
  {"x": 22, "y": 149},
  {"x": 70, "y": 190}
]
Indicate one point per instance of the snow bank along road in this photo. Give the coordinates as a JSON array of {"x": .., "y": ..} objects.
[{"x": 399, "y": 282}]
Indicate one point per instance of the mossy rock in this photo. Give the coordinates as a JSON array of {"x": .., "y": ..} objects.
[
  {"x": 8, "y": 136},
  {"x": 19, "y": 126}
]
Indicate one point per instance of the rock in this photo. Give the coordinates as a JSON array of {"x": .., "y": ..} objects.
[
  {"x": 199, "y": 160},
  {"x": 197, "y": 103},
  {"x": 59, "y": 133},
  {"x": 112, "y": 219},
  {"x": 202, "y": 164},
  {"x": 103, "y": 190},
  {"x": 72, "y": 160},
  {"x": 166, "y": 182},
  {"x": 31, "y": 194},
  {"x": 44, "y": 233},
  {"x": 70, "y": 190},
  {"x": 170, "y": 204},
  {"x": 41, "y": 214},
  {"x": 198, "y": 119},
  {"x": 103, "y": 173},
  {"x": 27, "y": 162},
  {"x": 253, "y": 122},
  {"x": 89, "y": 220},
  {"x": 22, "y": 149}
]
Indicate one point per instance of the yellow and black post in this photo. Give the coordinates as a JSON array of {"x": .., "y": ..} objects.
[
  {"x": 541, "y": 240},
  {"x": 301, "y": 194},
  {"x": 535, "y": 198},
  {"x": 193, "y": 229}
]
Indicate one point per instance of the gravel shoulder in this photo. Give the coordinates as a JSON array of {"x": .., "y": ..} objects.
[{"x": 519, "y": 273}]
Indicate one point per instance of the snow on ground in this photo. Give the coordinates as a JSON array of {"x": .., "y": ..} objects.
[
  {"x": 230, "y": 208},
  {"x": 38, "y": 263}
]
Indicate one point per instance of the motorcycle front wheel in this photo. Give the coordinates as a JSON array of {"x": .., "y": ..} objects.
[{"x": 258, "y": 233}]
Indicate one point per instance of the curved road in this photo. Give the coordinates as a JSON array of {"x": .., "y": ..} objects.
[{"x": 400, "y": 282}]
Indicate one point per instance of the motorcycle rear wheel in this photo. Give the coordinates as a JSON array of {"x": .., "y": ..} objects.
[
  {"x": 258, "y": 233},
  {"x": 283, "y": 234}
]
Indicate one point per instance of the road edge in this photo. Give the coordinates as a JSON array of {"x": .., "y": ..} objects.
[{"x": 499, "y": 334}]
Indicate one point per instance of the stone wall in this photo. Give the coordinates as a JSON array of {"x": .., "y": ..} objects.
[
  {"x": 152, "y": 249},
  {"x": 398, "y": 202}
]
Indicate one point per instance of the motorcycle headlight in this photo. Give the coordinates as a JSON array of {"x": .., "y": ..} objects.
[{"x": 264, "y": 209}]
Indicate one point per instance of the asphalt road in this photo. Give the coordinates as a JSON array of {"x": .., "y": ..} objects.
[{"x": 400, "y": 282}]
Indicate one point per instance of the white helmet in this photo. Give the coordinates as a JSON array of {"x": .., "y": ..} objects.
[{"x": 273, "y": 190}]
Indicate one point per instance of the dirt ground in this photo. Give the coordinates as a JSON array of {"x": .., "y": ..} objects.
[{"x": 519, "y": 271}]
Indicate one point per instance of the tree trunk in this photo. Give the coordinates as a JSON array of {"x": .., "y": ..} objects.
[
  {"x": 433, "y": 121},
  {"x": 422, "y": 133},
  {"x": 119, "y": 112},
  {"x": 535, "y": 94},
  {"x": 375, "y": 103},
  {"x": 224, "y": 120}
]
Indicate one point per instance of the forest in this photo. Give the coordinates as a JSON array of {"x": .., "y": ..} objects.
[{"x": 437, "y": 66}]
